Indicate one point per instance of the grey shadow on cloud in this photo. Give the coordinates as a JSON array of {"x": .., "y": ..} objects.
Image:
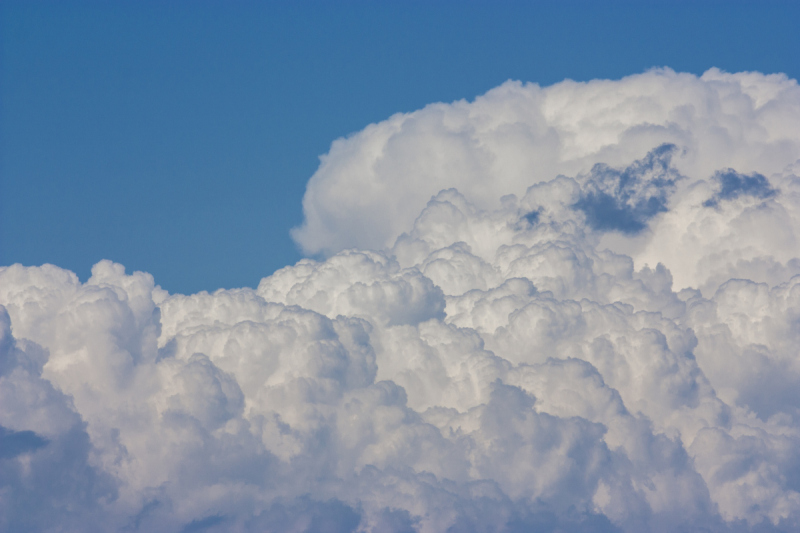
[{"x": 14, "y": 443}]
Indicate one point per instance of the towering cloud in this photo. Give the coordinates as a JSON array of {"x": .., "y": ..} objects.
[
  {"x": 371, "y": 186},
  {"x": 572, "y": 308}
]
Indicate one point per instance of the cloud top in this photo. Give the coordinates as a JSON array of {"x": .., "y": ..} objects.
[{"x": 371, "y": 186}]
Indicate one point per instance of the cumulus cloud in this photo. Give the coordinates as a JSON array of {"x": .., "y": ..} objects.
[
  {"x": 372, "y": 185},
  {"x": 573, "y": 308}
]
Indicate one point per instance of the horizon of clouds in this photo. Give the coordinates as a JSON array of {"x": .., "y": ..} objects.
[{"x": 566, "y": 308}]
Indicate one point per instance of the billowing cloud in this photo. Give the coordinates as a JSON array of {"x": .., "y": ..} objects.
[
  {"x": 578, "y": 309},
  {"x": 372, "y": 185}
]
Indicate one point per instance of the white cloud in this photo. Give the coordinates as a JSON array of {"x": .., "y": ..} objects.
[
  {"x": 371, "y": 186},
  {"x": 613, "y": 349}
]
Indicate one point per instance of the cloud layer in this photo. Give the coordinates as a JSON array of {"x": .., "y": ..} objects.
[{"x": 573, "y": 308}]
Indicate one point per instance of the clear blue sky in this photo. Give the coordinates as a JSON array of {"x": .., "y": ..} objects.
[{"x": 177, "y": 137}]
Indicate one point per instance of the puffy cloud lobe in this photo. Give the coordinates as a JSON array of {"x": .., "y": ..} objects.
[
  {"x": 362, "y": 284},
  {"x": 372, "y": 185},
  {"x": 602, "y": 351},
  {"x": 46, "y": 476},
  {"x": 747, "y": 235}
]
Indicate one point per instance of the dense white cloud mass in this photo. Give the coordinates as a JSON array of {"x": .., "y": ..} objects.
[
  {"x": 371, "y": 186},
  {"x": 580, "y": 312}
]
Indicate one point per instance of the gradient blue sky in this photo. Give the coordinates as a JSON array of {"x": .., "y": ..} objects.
[{"x": 177, "y": 137}]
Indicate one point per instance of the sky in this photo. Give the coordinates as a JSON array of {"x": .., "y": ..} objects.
[
  {"x": 527, "y": 268},
  {"x": 178, "y": 137}
]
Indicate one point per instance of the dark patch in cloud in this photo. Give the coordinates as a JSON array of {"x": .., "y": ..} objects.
[
  {"x": 305, "y": 514},
  {"x": 625, "y": 200},
  {"x": 148, "y": 509},
  {"x": 571, "y": 520},
  {"x": 732, "y": 185},
  {"x": 396, "y": 521},
  {"x": 14, "y": 443},
  {"x": 203, "y": 524},
  {"x": 491, "y": 514},
  {"x": 531, "y": 218},
  {"x": 57, "y": 486}
]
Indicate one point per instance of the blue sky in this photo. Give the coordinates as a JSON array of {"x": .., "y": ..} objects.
[{"x": 177, "y": 138}]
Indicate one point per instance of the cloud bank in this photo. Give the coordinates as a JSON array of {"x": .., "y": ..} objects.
[{"x": 572, "y": 308}]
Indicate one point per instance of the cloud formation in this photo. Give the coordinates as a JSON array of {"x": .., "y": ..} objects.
[
  {"x": 372, "y": 185},
  {"x": 574, "y": 308}
]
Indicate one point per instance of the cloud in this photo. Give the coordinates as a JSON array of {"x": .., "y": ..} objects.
[
  {"x": 371, "y": 185},
  {"x": 553, "y": 330}
]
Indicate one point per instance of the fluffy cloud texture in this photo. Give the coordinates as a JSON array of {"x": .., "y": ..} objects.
[
  {"x": 371, "y": 186},
  {"x": 573, "y": 308}
]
